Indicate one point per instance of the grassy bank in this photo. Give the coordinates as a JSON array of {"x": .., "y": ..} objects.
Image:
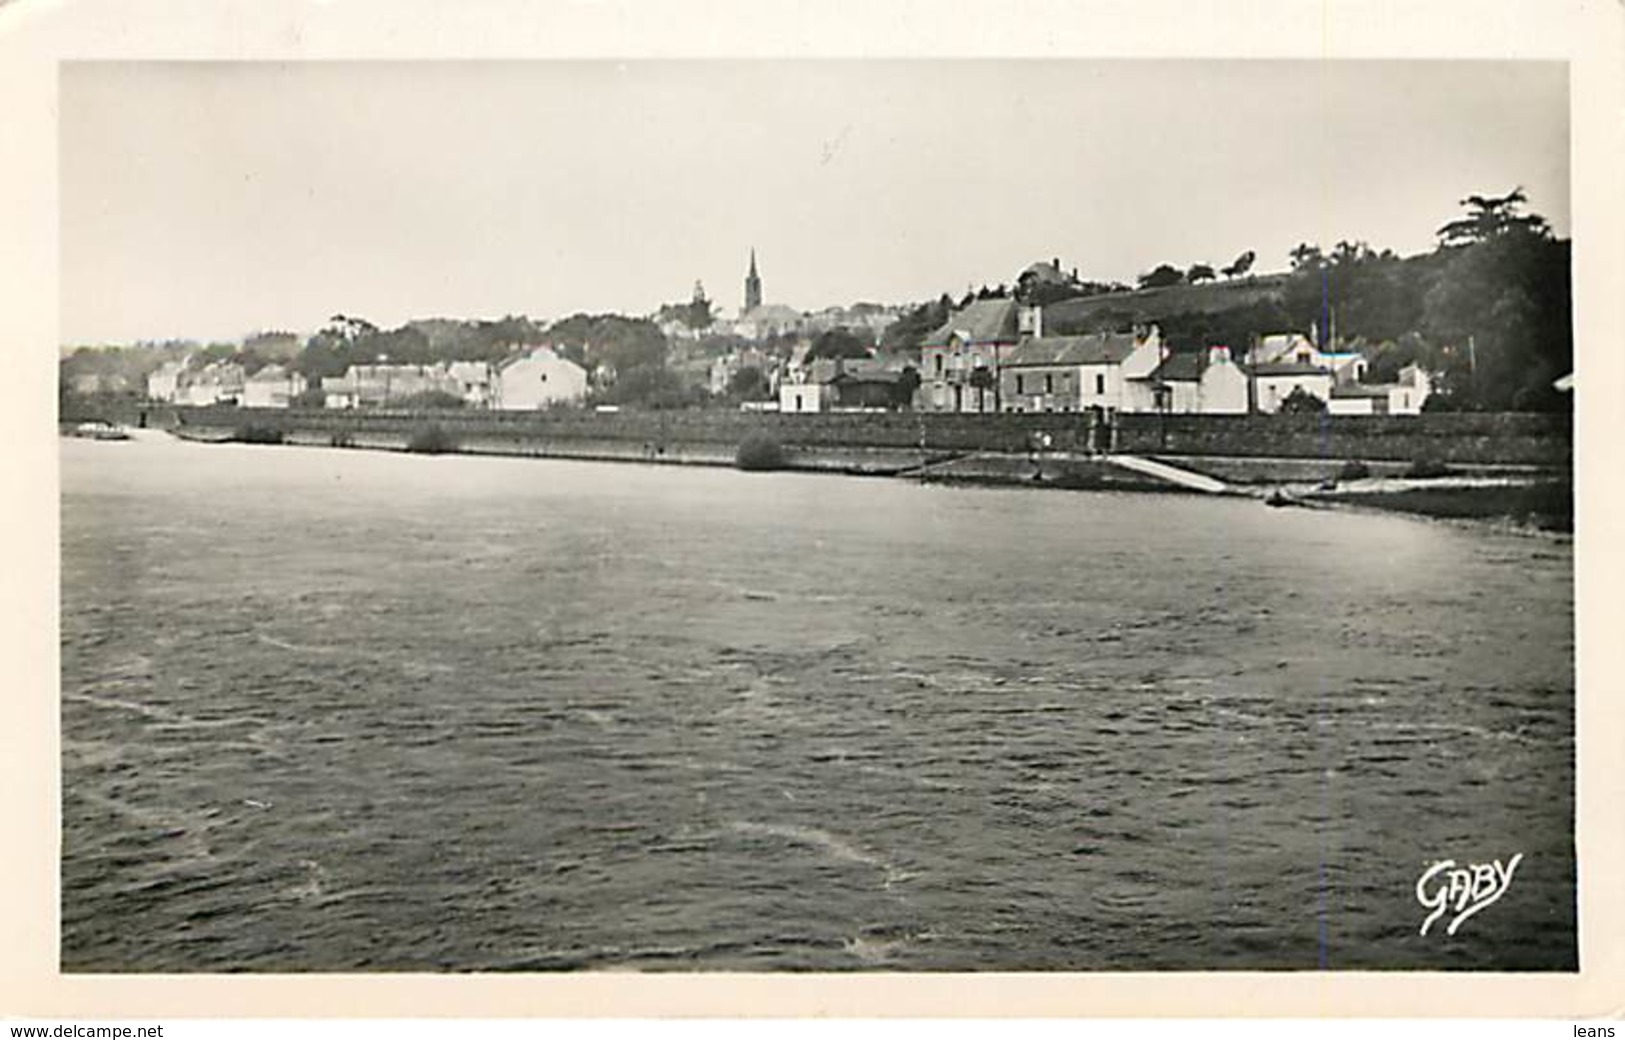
[{"x": 1545, "y": 505}]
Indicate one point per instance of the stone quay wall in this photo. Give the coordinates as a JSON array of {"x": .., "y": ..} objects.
[{"x": 1523, "y": 439}]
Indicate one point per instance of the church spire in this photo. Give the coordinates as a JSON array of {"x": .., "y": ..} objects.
[{"x": 753, "y": 285}]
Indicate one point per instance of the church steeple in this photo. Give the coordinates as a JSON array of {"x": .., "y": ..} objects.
[{"x": 753, "y": 285}]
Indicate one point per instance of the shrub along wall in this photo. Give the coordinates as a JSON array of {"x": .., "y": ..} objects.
[{"x": 1466, "y": 438}]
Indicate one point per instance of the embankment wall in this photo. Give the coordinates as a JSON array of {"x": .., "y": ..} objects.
[{"x": 1467, "y": 438}]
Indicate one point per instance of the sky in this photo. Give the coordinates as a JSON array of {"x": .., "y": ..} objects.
[{"x": 211, "y": 200}]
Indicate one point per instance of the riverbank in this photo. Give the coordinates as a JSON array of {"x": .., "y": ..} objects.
[{"x": 1509, "y": 496}]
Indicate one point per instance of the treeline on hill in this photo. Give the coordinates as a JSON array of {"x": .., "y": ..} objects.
[{"x": 1487, "y": 311}]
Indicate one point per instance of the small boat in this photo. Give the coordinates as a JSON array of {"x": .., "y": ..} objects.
[
  {"x": 99, "y": 430},
  {"x": 1278, "y": 498}
]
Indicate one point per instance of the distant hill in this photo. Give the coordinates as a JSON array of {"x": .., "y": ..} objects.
[{"x": 1117, "y": 311}]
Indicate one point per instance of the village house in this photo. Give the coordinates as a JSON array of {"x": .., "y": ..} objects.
[
  {"x": 1345, "y": 366},
  {"x": 273, "y": 386},
  {"x": 1206, "y": 383},
  {"x": 375, "y": 386},
  {"x": 959, "y": 362},
  {"x": 538, "y": 378},
  {"x": 1404, "y": 396},
  {"x": 474, "y": 382},
  {"x": 1273, "y": 382},
  {"x": 809, "y": 395},
  {"x": 164, "y": 383},
  {"x": 1110, "y": 371},
  {"x": 219, "y": 382},
  {"x": 843, "y": 385}
]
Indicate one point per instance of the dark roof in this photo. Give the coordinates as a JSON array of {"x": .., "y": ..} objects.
[
  {"x": 984, "y": 321},
  {"x": 1288, "y": 368},
  {"x": 1106, "y": 348},
  {"x": 873, "y": 375},
  {"x": 1361, "y": 390},
  {"x": 1179, "y": 368}
]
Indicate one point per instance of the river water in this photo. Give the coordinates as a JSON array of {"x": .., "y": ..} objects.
[{"x": 329, "y": 710}]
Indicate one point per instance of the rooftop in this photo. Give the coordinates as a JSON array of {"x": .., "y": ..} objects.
[
  {"x": 1287, "y": 368},
  {"x": 1106, "y": 348},
  {"x": 983, "y": 321}
]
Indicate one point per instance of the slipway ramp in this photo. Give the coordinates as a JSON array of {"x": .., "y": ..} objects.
[{"x": 1172, "y": 474}]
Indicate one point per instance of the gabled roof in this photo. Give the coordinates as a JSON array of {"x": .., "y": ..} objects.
[
  {"x": 270, "y": 374},
  {"x": 984, "y": 321},
  {"x": 1287, "y": 368},
  {"x": 1106, "y": 348},
  {"x": 1179, "y": 368}
]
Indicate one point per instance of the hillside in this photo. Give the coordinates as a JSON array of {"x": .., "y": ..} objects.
[{"x": 1116, "y": 311}]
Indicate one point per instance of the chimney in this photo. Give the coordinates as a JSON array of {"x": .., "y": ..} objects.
[
  {"x": 1030, "y": 321},
  {"x": 1217, "y": 355}
]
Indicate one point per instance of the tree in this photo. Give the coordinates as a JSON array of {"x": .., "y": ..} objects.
[
  {"x": 1504, "y": 304},
  {"x": 610, "y": 339},
  {"x": 838, "y": 342},
  {"x": 748, "y": 383},
  {"x": 1491, "y": 216},
  {"x": 908, "y": 382},
  {"x": 1241, "y": 265},
  {"x": 1303, "y": 255},
  {"x": 906, "y": 332},
  {"x": 1301, "y": 402},
  {"x": 1200, "y": 273},
  {"x": 1161, "y": 276}
]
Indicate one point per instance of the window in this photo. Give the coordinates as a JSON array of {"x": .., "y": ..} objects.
[
  {"x": 1021, "y": 383},
  {"x": 939, "y": 364},
  {"x": 1100, "y": 382},
  {"x": 1049, "y": 383}
]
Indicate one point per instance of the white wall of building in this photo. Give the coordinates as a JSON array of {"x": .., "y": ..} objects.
[
  {"x": 269, "y": 392},
  {"x": 805, "y": 397},
  {"x": 538, "y": 380},
  {"x": 1223, "y": 386},
  {"x": 1272, "y": 390}
]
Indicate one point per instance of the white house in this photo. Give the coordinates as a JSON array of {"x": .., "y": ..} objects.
[
  {"x": 474, "y": 380},
  {"x": 1208, "y": 383},
  {"x": 959, "y": 360},
  {"x": 1346, "y": 366},
  {"x": 379, "y": 385},
  {"x": 219, "y": 382},
  {"x": 1405, "y": 396},
  {"x": 272, "y": 387},
  {"x": 1072, "y": 373},
  {"x": 810, "y": 396},
  {"x": 1273, "y": 382},
  {"x": 164, "y": 384},
  {"x": 538, "y": 379}
]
